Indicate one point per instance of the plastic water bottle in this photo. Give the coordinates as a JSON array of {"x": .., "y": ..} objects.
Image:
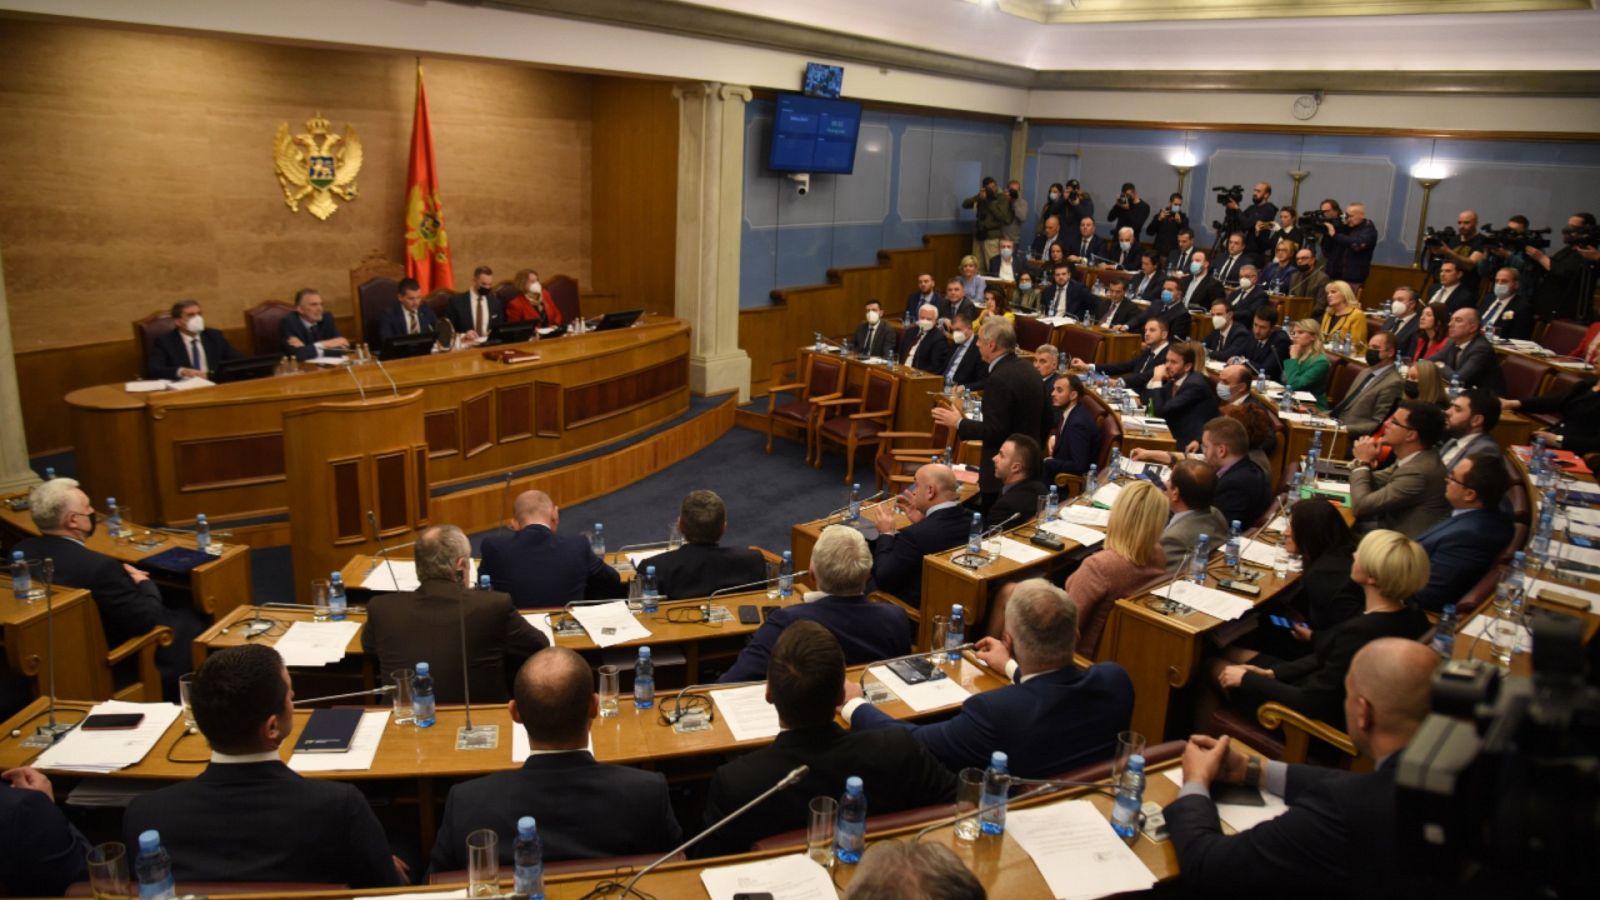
[
  {"x": 1503, "y": 631},
  {"x": 424, "y": 709},
  {"x": 1455, "y": 386},
  {"x": 1444, "y": 636},
  {"x": 850, "y": 831},
  {"x": 49, "y": 473},
  {"x": 1091, "y": 481},
  {"x": 202, "y": 534},
  {"x": 1230, "y": 550},
  {"x": 154, "y": 868},
  {"x": 1114, "y": 465},
  {"x": 820, "y": 346},
  {"x": 949, "y": 384},
  {"x": 650, "y": 595},
  {"x": 1063, "y": 361},
  {"x": 1130, "y": 797},
  {"x": 644, "y": 680},
  {"x": 1261, "y": 381},
  {"x": 113, "y": 517},
  {"x": 996, "y": 787},
  {"x": 21, "y": 578},
  {"x": 1286, "y": 402},
  {"x": 955, "y": 633},
  {"x": 1197, "y": 566},
  {"x": 1316, "y": 444},
  {"x": 1052, "y": 505},
  {"x": 527, "y": 856},
  {"x": 1517, "y": 575},
  {"x": 1541, "y": 536},
  {"x": 855, "y": 502},
  {"x": 338, "y": 603},
  {"x": 786, "y": 576},
  {"x": 598, "y": 542}
]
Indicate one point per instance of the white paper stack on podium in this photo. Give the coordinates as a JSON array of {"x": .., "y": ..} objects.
[
  {"x": 99, "y": 752},
  {"x": 746, "y": 712},
  {"x": 925, "y": 696},
  {"x": 1076, "y": 851},
  {"x": 609, "y": 624},
  {"x": 316, "y": 643},
  {"x": 784, "y": 878}
]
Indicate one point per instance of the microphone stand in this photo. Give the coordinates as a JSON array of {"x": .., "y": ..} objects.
[
  {"x": 739, "y": 588},
  {"x": 51, "y": 731},
  {"x": 386, "y": 689},
  {"x": 359, "y": 388},
  {"x": 1041, "y": 787},
  {"x": 383, "y": 552},
  {"x": 936, "y": 655},
  {"x": 394, "y": 389},
  {"x": 468, "y": 737},
  {"x": 1169, "y": 606}
]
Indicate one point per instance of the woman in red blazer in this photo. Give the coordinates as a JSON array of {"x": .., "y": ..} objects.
[{"x": 531, "y": 305}]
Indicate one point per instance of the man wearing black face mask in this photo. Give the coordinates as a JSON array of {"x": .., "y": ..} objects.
[
  {"x": 129, "y": 602},
  {"x": 1570, "y": 272},
  {"x": 1374, "y": 393},
  {"x": 1310, "y": 280}
]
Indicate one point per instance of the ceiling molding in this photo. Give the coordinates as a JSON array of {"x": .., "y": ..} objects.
[
  {"x": 1300, "y": 81},
  {"x": 1097, "y": 12}
]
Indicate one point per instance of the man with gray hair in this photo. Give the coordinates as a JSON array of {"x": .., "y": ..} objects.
[
  {"x": 129, "y": 602},
  {"x": 913, "y": 870},
  {"x": 425, "y": 625},
  {"x": 540, "y": 568},
  {"x": 702, "y": 565},
  {"x": 1013, "y": 402},
  {"x": 1054, "y": 717},
  {"x": 867, "y": 631}
]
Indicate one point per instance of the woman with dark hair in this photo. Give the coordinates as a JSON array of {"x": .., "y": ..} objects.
[
  {"x": 1433, "y": 324},
  {"x": 1053, "y": 205},
  {"x": 1323, "y": 596}
]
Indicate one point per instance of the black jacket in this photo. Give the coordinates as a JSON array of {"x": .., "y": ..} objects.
[
  {"x": 1243, "y": 493},
  {"x": 1013, "y": 403},
  {"x": 881, "y": 342},
  {"x": 897, "y": 558},
  {"x": 460, "y": 314},
  {"x": 171, "y": 353},
  {"x": 1579, "y": 408},
  {"x": 292, "y": 326},
  {"x": 1020, "y": 500},
  {"x": 1314, "y": 684},
  {"x": 44, "y": 852},
  {"x": 970, "y": 369},
  {"x": 541, "y": 569},
  {"x": 1186, "y": 409},
  {"x": 932, "y": 353},
  {"x": 696, "y": 570}
]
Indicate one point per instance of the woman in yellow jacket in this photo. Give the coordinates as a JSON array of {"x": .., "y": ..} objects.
[{"x": 1344, "y": 315}]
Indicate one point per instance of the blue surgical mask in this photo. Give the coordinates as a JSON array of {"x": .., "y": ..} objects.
[
  {"x": 1194, "y": 268},
  {"x": 1005, "y": 252},
  {"x": 1502, "y": 291},
  {"x": 1166, "y": 296},
  {"x": 1024, "y": 285}
]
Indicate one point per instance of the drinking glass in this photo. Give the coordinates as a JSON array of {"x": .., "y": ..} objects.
[
  {"x": 936, "y": 636},
  {"x": 819, "y": 832},
  {"x": 1128, "y": 744},
  {"x": 108, "y": 872},
  {"x": 483, "y": 863},
  {"x": 772, "y": 578},
  {"x": 1280, "y": 564},
  {"x": 969, "y": 797},
  {"x": 320, "y": 610},
  {"x": 404, "y": 695},
  {"x": 185, "y": 686},
  {"x": 610, "y": 688},
  {"x": 1038, "y": 509},
  {"x": 674, "y": 536}
]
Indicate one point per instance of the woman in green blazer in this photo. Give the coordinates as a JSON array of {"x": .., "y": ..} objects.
[{"x": 1306, "y": 369}]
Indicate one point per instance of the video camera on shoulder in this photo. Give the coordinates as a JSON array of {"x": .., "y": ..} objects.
[
  {"x": 1511, "y": 239},
  {"x": 1311, "y": 220},
  {"x": 1585, "y": 236},
  {"x": 1440, "y": 237},
  {"x": 1233, "y": 194}
]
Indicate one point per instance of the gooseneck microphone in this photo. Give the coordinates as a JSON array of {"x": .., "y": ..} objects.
[
  {"x": 372, "y": 519},
  {"x": 386, "y": 689}
]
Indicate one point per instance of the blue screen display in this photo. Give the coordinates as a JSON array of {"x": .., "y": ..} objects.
[
  {"x": 811, "y": 134},
  {"x": 823, "y": 80}
]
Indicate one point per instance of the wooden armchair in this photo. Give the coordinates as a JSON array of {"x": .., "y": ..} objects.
[
  {"x": 912, "y": 612},
  {"x": 1110, "y": 437},
  {"x": 262, "y": 321},
  {"x": 895, "y": 466},
  {"x": 147, "y": 331},
  {"x": 875, "y": 415},
  {"x": 85, "y": 666},
  {"x": 373, "y": 282},
  {"x": 823, "y": 380},
  {"x": 1281, "y": 733}
]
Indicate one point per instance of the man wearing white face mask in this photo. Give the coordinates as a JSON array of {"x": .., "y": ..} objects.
[
  {"x": 965, "y": 366},
  {"x": 1250, "y": 296},
  {"x": 872, "y": 336},
  {"x": 1403, "y": 318},
  {"x": 191, "y": 350},
  {"x": 1005, "y": 265},
  {"x": 1127, "y": 251},
  {"x": 1227, "y": 338},
  {"x": 1505, "y": 310},
  {"x": 924, "y": 347}
]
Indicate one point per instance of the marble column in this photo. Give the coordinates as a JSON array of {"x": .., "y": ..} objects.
[
  {"x": 15, "y": 472},
  {"x": 710, "y": 203}
]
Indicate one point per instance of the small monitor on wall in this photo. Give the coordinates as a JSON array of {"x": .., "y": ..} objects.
[
  {"x": 812, "y": 134},
  {"x": 823, "y": 80}
]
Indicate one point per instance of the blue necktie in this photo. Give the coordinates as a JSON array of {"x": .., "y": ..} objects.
[{"x": 194, "y": 353}]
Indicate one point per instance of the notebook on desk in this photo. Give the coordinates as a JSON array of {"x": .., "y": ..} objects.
[
  {"x": 329, "y": 730},
  {"x": 177, "y": 561}
]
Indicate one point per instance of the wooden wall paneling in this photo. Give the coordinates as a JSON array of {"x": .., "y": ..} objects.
[
  {"x": 477, "y": 424},
  {"x": 349, "y": 512},
  {"x": 547, "y": 409},
  {"x": 392, "y": 491},
  {"x": 230, "y": 462},
  {"x": 634, "y": 183},
  {"x": 443, "y": 428},
  {"x": 1382, "y": 281},
  {"x": 513, "y": 413},
  {"x": 596, "y": 401},
  {"x": 420, "y": 461}
]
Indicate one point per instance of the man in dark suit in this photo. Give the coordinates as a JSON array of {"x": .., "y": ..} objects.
[
  {"x": 964, "y": 366},
  {"x": 806, "y": 683},
  {"x": 1170, "y": 310},
  {"x": 1403, "y": 320},
  {"x": 1310, "y": 280},
  {"x": 1199, "y": 289},
  {"x": 1269, "y": 344},
  {"x": 841, "y": 563},
  {"x": 1339, "y": 837},
  {"x": 1054, "y": 717},
  {"x": 1075, "y": 445},
  {"x": 129, "y": 602},
  {"x": 1228, "y": 338},
  {"x": 1452, "y": 290},
  {"x": 1182, "y": 396},
  {"x": 309, "y": 331},
  {"x": 1065, "y": 296},
  {"x": 1469, "y": 423},
  {"x": 408, "y": 316},
  {"x": 1374, "y": 393},
  {"x": 1126, "y": 252},
  {"x": 1505, "y": 309},
  {"x": 559, "y": 784},
  {"x": 1116, "y": 312},
  {"x": 1261, "y": 209},
  {"x": 1469, "y": 356},
  {"x": 1039, "y": 253},
  {"x": 923, "y": 346},
  {"x": 702, "y": 565},
  {"x": 926, "y": 294},
  {"x": 1229, "y": 267},
  {"x": 1007, "y": 265},
  {"x": 938, "y": 522},
  {"x": 540, "y": 568},
  {"x": 1013, "y": 400},
  {"x": 1128, "y": 211},
  {"x": 956, "y": 302},
  {"x": 1146, "y": 285},
  {"x": 1464, "y": 546},
  {"x": 247, "y": 816},
  {"x": 874, "y": 337},
  {"x": 1177, "y": 259},
  {"x": 1348, "y": 246},
  {"x": 191, "y": 350},
  {"x": 1243, "y": 490},
  {"x": 47, "y": 852},
  {"x": 475, "y": 312},
  {"x": 1136, "y": 372},
  {"x": 1017, "y": 465},
  {"x": 1087, "y": 245},
  {"x": 427, "y": 624},
  {"x": 1251, "y": 296}
]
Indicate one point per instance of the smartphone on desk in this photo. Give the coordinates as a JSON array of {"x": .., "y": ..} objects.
[{"x": 112, "y": 722}]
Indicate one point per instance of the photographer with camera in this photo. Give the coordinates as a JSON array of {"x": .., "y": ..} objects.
[
  {"x": 1080, "y": 205},
  {"x": 1348, "y": 245},
  {"x": 1568, "y": 285},
  {"x": 1012, "y": 230},
  {"x": 1129, "y": 211},
  {"x": 1508, "y": 247},
  {"x": 1285, "y": 228},
  {"x": 1261, "y": 211},
  {"x": 1165, "y": 226},
  {"x": 994, "y": 212}
]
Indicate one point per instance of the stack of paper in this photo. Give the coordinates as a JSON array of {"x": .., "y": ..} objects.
[
  {"x": 145, "y": 387},
  {"x": 1088, "y": 537},
  {"x": 1479, "y": 627},
  {"x": 746, "y": 712},
  {"x": 363, "y": 748},
  {"x": 1076, "y": 851},
  {"x": 1018, "y": 552},
  {"x": 639, "y": 556},
  {"x": 1091, "y": 516},
  {"x": 785, "y": 878},
  {"x": 189, "y": 384},
  {"x": 1239, "y": 816},
  {"x": 1258, "y": 552},
  {"x": 541, "y": 621},
  {"x": 609, "y": 624},
  {"x": 1210, "y": 601},
  {"x": 316, "y": 643},
  {"x": 1107, "y": 494},
  {"x": 922, "y": 697},
  {"x": 401, "y": 575},
  {"x": 99, "y": 752}
]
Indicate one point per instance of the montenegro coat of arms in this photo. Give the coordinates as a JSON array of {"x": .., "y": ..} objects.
[{"x": 318, "y": 164}]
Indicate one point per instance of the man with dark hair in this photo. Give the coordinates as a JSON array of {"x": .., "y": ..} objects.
[
  {"x": 1017, "y": 466},
  {"x": 540, "y": 567},
  {"x": 1468, "y": 421},
  {"x": 1129, "y": 211},
  {"x": 1135, "y": 373},
  {"x": 191, "y": 350},
  {"x": 474, "y": 312},
  {"x": 806, "y": 683},
  {"x": 1013, "y": 400},
  {"x": 965, "y": 366},
  {"x": 1469, "y": 542},
  {"x": 1243, "y": 489},
  {"x": 1146, "y": 285},
  {"x": 310, "y": 331},
  {"x": 1227, "y": 338},
  {"x": 1177, "y": 259},
  {"x": 993, "y": 208},
  {"x": 1228, "y": 268},
  {"x": 874, "y": 337},
  {"x": 409, "y": 315},
  {"x": 1408, "y": 496},
  {"x": 1452, "y": 292},
  {"x": 1181, "y": 396},
  {"x": 1200, "y": 289},
  {"x": 1569, "y": 272},
  {"x": 702, "y": 565},
  {"x": 247, "y": 816},
  {"x": 1269, "y": 345},
  {"x": 1190, "y": 489},
  {"x": 578, "y": 803},
  {"x": 1065, "y": 296},
  {"x": 1373, "y": 394},
  {"x": 1075, "y": 444},
  {"x": 912, "y": 870},
  {"x": 426, "y": 625},
  {"x": 1116, "y": 312}
]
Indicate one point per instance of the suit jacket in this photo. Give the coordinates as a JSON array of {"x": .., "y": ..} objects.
[
  {"x": 1268, "y": 355},
  {"x": 1514, "y": 320},
  {"x": 1460, "y": 549},
  {"x": 970, "y": 369},
  {"x": 1476, "y": 365},
  {"x": 1450, "y": 453},
  {"x": 897, "y": 558},
  {"x": 460, "y": 314},
  {"x": 1455, "y": 296},
  {"x": 1019, "y": 265},
  {"x": 126, "y": 609},
  {"x": 1175, "y": 314},
  {"x": 46, "y": 853},
  {"x": 263, "y": 822},
  {"x": 1349, "y": 251},
  {"x": 425, "y": 626},
  {"x": 1054, "y": 722},
  {"x": 542, "y": 569},
  {"x": 1077, "y": 444},
  {"x": 866, "y": 631},
  {"x": 696, "y": 570},
  {"x": 896, "y": 773},
  {"x": 1326, "y": 595},
  {"x": 1020, "y": 499},
  {"x": 1338, "y": 839},
  {"x": 1013, "y": 403},
  {"x": 1147, "y": 289},
  {"x": 1186, "y": 408},
  {"x": 1245, "y": 303},
  {"x": 882, "y": 343},
  {"x": 1314, "y": 684},
  {"x": 1224, "y": 347},
  {"x": 1080, "y": 301},
  {"x": 563, "y": 792},
  {"x": 1405, "y": 334},
  {"x": 932, "y": 353},
  {"x": 394, "y": 323},
  {"x": 1136, "y": 372},
  {"x": 1370, "y": 400},
  {"x": 171, "y": 353},
  {"x": 1126, "y": 312},
  {"x": 1206, "y": 293},
  {"x": 1075, "y": 246},
  {"x": 1181, "y": 535},
  {"x": 1126, "y": 260},
  {"x": 914, "y": 302},
  {"x": 1226, "y": 268},
  {"x": 1406, "y": 497},
  {"x": 292, "y": 326},
  {"x": 1243, "y": 493}
]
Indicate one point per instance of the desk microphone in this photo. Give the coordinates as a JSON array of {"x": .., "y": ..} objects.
[
  {"x": 1040, "y": 787},
  {"x": 386, "y": 689},
  {"x": 996, "y": 529},
  {"x": 505, "y": 495},
  {"x": 1172, "y": 605},
  {"x": 677, "y": 699},
  {"x": 861, "y": 680},
  {"x": 483, "y": 737},
  {"x": 51, "y": 731},
  {"x": 359, "y": 388},
  {"x": 843, "y": 510},
  {"x": 739, "y": 588},
  {"x": 566, "y": 609},
  {"x": 383, "y": 551},
  {"x": 393, "y": 388}
]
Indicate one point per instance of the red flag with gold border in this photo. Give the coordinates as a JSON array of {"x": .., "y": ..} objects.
[{"x": 427, "y": 247}]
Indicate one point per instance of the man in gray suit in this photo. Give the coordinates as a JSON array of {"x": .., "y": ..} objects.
[
  {"x": 1368, "y": 401},
  {"x": 1408, "y": 496},
  {"x": 1467, "y": 423},
  {"x": 1189, "y": 491}
]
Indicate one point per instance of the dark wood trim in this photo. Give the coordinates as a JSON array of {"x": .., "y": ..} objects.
[{"x": 1565, "y": 137}]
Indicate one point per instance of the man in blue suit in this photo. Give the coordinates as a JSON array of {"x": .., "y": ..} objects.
[
  {"x": 867, "y": 631},
  {"x": 1066, "y": 296},
  {"x": 309, "y": 332},
  {"x": 540, "y": 568},
  {"x": 191, "y": 350},
  {"x": 1053, "y": 718},
  {"x": 1181, "y": 395},
  {"x": 1075, "y": 444},
  {"x": 965, "y": 365},
  {"x": 1469, "y": 542},
  {"x": 938, "y": 522},
  {"x": 1228, "y": 339},
  {"x": 408, "y": 316}
]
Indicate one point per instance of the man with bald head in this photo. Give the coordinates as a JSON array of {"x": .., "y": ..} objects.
[
  {"x": 1339, "y": 833},
  {"x": 938, "y": 522},
  {"x": 540, "y": 568},
  {"x": 1468, "y": 355},
  {"x": 559, "y": 784}
]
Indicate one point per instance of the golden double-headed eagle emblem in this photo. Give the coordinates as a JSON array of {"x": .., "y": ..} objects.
[{"x": 318, "y": 164}]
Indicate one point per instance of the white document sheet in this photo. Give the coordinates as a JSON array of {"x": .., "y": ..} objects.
[
  {"x": 189, "y": 384},
  {"x": 785, "y": 878},
  {"x": 746, "y": 711},
  {"x": 1478, "y": 627},
  {"x": 1089, "y": 516},
  {"x": 1076, "y": 851},
  {"x": 1278, "y": 524},
  {"x": 145, "y": 387},
  {"x": 1305, "y": 396},
  {"x": 328, "y": 361},
  {"x": 1016, "y": 551},
  {"x": 1538, "y": 588},
  {"x": 363, "y": 748},
  {"x": 609, "y": 624},
  {"x": 1210, "y": 601},
  {"x": 639, "y": 556},
  {"x": 1584, "y": 514},
  {"x": 541, "y": 621},
  {"x": 1258, "y": 552},
  {"x": 316, "y": 643},
  {"x": 108, "y": 751},
  {"x": 922, "y": 697},
  {"x": 1084, "y": 535},
  {"x": 1577, "y": 527},
  {"x": 401, "y": 575},
  {"x": 1333, "y": 487},
  {"x": 1238, "y": 816},
  {"x": 1107, "y": 494},
  {"x": 1589, "y": 556}
]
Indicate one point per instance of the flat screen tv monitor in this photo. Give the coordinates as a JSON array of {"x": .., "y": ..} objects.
[
  {"x": 246, "y": 368},
  {"x": 622, "y": 318},
  {"x": 823, "y": 80},
  {"x": 513, "y": 332},
  {"x": 403, "y": 345},
  {"x": 812, "y": 134}
]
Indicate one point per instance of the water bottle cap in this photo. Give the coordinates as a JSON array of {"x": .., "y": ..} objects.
[
  {"x": 788, "y": 554},
  {"x": 422, "y": 669},
  {"x": 1136, "y": 762},
  {"x": 998, "y": 760},
  {"x": 853, "y": 784},
  {"x": 955, "y": 609},
  {"x": 644, "y": 652},
  {"x": 149, "y": 841},
  {"x": 1235, "y": 524},
  {"x": 16, "y": 555},
  {"x": 336, "y": 578},
  {"x": 598, "y": 526},
  {"x": 526, "y": 827},
  {"x": 855, "y": 487},
  {"x": 650, "y": 570},
  {"x": 111, "y": 501},
  {"x": 200, "y": 518}
]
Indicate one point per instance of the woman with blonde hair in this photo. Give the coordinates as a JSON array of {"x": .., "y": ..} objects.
[
  {"x": 971, "y": 282},
  {"x": 1344, "y": 314},
  {"x": 1430, "y": 384},
  {"x": 1307, "y": 367},
  {"x": 1278, "y": 274},
  {"x": 1131, "y": 558},
  {"x": 1389, "y": 568}
]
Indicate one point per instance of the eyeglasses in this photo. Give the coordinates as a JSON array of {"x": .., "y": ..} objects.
[{"x": 1396, "y": 423}]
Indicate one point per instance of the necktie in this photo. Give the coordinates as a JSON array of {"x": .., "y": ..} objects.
[
  {"x": 955, "y": 361},
  {"x": 194, "y": 353},
  {"x": 872, "y": 331},
  {"x": 483, "y": 315},
  {"x": 1084, "y": 251},
  {"x": 912, "y": 353},
  {"x": 1110, "y": 311},
  {"x": 412, "y": 316}
]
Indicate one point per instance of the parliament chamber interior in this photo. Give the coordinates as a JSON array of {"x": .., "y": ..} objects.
[{"x": 745, "y": 449}]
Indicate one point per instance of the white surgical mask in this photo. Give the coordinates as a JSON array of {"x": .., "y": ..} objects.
[
  {"x": 924, "y": 324},
  {"x": 1055, "y": 195},
  {"x": 1244, "y": 284},
  {"x": 1005, "y": 252},
  {"x": 1126, "y": 245},
  {"x": 959, "y": 337},
  {"x": 536, "y": 288},
  {"x": 1224, "y": 393},
  {"x": 1397, "y": 308},
  {"x": 872, "y": 317},
  {"x": 1219, "y": 322},
  {"x": 1024, "y": 285},
  {"x": 196, "y": 324},
  {"x": 1501, "y": 291}
]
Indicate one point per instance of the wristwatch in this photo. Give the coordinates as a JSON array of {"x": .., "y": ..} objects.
[{"x": 1252, "y": 772}]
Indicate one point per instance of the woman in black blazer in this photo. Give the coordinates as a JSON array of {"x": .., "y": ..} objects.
[
  {"x": 1579, "y": 409},
  {"x": 1321, "y": 598}
]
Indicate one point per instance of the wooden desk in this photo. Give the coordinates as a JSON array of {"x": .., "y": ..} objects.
[
  {"x": 218, "y": 587},
  {"x": 220, "y": 450},
  {"x": 915, "y": 402},
  {"x": 25, "y": 634},
  {"x": 803, "y": 536}
]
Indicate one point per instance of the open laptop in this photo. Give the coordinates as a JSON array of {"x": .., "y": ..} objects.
[{"x": 246, "y": 368}]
